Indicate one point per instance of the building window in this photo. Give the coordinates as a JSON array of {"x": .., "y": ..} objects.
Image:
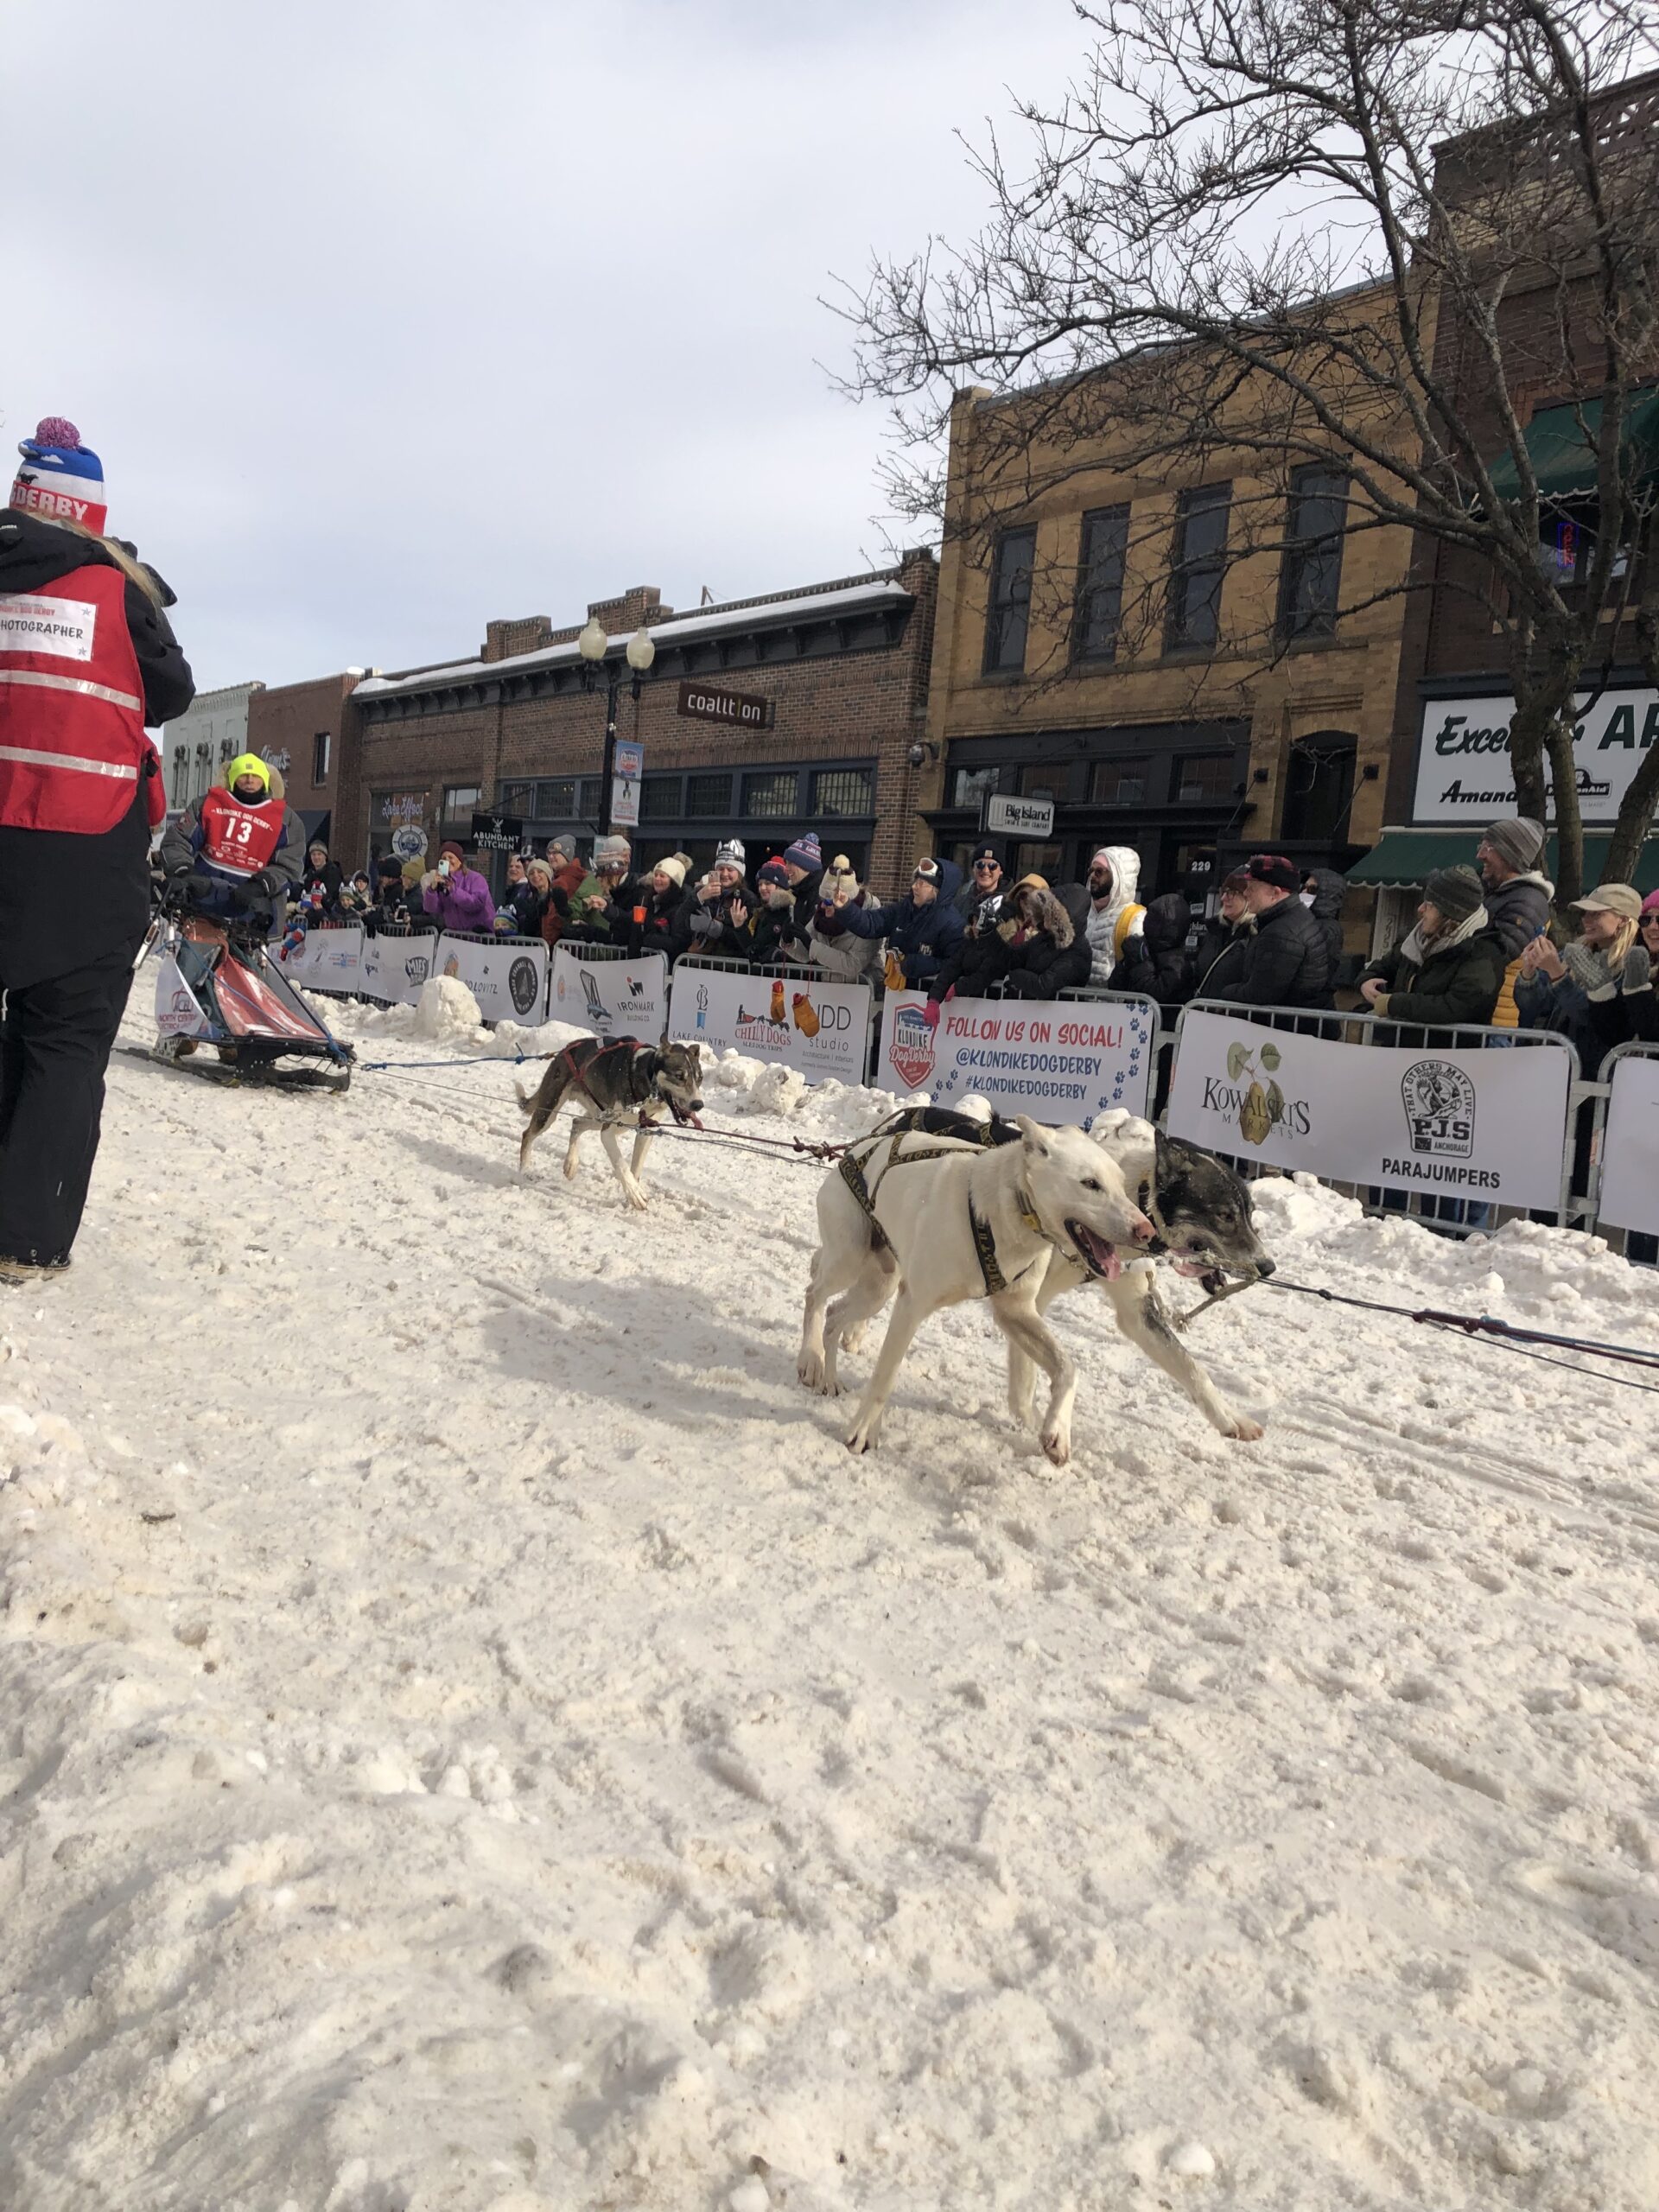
[
  {"x": 843, "y": 791},
  {"x": 708, "y": 796},
  {"x": 518, "y": 799},
  {"x": 320, "y": 757},
  {"x": 556, "y": 801},
  {"x": 1045, "y": 779},
  {"x": 972, "y": 786},
  {"x": 1102, "y": 551},
  {"x": 1199, "y": 564},
  {"x": 1010, "y": 605},
  {"x": 1120, "y": 783},
  {"x": 589, "y": 796},
  {"x": 1037, "y": 860},
  {"x": 769, "y": 797},
  {"x": 1204, "y": 778},
  {"x": 460, "y": 801},
  {"x": 1311, "y": 575},
  {"x": 659, "y": 798},
  {"x": 1319, "y": 789}
]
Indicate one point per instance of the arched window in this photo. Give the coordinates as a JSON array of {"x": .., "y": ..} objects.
[{"x": 1319, "y": 789}]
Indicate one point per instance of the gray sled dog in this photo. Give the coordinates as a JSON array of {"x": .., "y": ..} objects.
[
  {"x": 1201, "y": 1210},
  {"x": 615, "y": 1085},
  {"x": 942, "y": 1220}
]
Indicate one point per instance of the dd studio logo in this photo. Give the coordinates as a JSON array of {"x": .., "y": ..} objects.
[
  {"x": 521, "y": 984},
  {"x": 1439, "y": 1101}
]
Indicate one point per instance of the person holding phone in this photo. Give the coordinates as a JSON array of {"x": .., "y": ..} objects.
[{"x": 456, "y": 896}]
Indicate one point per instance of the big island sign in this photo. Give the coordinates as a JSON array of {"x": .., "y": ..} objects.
[{"x": 1463, "y": 773}]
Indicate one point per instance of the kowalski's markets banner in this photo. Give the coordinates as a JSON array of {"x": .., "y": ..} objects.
[
  {"x": 1057, "y": 1060},
  {"x": 613, "y": 998},
  {"x": 506, "y": 974},
  {"x": 1630, "y": 1146},
  {"x": 1468, "y": 1123},
  {"x": 820, "y": 1027}
]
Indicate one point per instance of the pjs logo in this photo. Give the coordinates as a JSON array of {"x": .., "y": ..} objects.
[
  {"x": 912, "y": 1049},
  {"x": 1440, "y": 1103},
  {"x": 521, "y": 985}
]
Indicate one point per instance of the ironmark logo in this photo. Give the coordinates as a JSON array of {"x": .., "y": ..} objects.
[{"x": 1439, "y": 1103}]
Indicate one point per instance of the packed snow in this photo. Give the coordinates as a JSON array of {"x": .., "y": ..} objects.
[{"x": 470, "y": 1735}]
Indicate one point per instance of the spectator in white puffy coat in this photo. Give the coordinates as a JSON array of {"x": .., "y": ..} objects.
[{"x": 1113, "y": 917}]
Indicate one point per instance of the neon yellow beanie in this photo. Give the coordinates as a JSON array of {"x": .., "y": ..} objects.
[{"x": 246, "y": 764}]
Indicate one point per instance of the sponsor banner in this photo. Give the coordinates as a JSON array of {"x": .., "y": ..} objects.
[
  {"x": 628, "y": 764},
  {"x": 177, "y": 1013},
  {"x": 1463, "y": 756},
  {"x": 33, "y": 622},
  {"x": 1484, "y": 1125},
  {"x": 506, "y": 974},
  {"x": 1059, "y": 1061},
  {"x": 613, "y": 998},
  {"x": 820, "y": 1027},
  {"x": 1630, "y": 1146},
  {"x": 394, "y": 968},
  {"x": 328, "y": 960}
]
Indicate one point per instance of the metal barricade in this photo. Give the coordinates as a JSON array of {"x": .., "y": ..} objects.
[
  {"x": 1639, "y": 1246},
  {"x": 1456, "y": 1216}
]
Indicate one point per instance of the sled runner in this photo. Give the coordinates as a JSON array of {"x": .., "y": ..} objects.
[{"x": 220, "y": 991}]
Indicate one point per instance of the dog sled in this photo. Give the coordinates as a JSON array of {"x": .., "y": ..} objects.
[{"x": 221, "y": 992}]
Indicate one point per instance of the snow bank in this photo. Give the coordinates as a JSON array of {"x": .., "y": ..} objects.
[{"x": 472, "y": 1739}]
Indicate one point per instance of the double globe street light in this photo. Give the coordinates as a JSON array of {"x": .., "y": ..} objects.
[{"x": 593, "y": 646}]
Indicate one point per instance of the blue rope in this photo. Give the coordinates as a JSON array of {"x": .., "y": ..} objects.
[{"x": 471, "y": 1060}]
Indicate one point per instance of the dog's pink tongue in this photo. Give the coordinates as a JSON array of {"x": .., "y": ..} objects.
[{"x": 1114, "y": 1266}]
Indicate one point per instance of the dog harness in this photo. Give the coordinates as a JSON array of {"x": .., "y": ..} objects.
[
  {"x": 629, "y": 1044},
  {"x": 853, "y": 1163}
]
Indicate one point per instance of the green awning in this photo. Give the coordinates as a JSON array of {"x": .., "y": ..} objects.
[
  {"x": 1561, "y": 445},
  {"x": 1401, "y": 859}
]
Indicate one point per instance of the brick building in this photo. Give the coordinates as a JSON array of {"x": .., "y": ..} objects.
[
  {"x": 309, "y": 731},
  {"x": 1183, "y": 653},
  {"x": 840, "y": 670}
]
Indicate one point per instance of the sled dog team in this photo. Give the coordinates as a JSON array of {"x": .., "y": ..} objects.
[{"x": 935, "y": 1207}]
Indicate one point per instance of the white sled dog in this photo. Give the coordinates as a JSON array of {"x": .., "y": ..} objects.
[{"x": 949, "y": 1221}]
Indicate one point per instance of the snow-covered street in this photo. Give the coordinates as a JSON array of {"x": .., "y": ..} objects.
[{"x": 470, "y": 1735}]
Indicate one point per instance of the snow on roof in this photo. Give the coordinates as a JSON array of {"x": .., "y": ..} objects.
[{"x": 855, "y": 599}]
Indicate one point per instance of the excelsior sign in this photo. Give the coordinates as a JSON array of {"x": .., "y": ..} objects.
[{"x": 1463, "y": 757}]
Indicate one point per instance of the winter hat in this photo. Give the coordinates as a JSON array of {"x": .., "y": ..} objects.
[
  {"x": 1274, "y": 868},
  {"x": 1236, "y": 881},
  {"x": 612, "y": 851},
  {"x": 411, "y": 873},
  {"x": 674, "y": 868},
  {"x": 453, "y": 850},
  {"x": 926, "y": 872},
  {"x": 246, "y": 764},
  {"x": 1456, "y": 891},
  {"x": 537, "y": 868},
  {"x": 686, "y": 863},
  {"x": 805, "y": 852},
  {"x": 732, "y": 855},
  {"x": 1519, "y": 844},
  {"x": 1620, "y": 899},
  {"x": 981, "y": 853},
  {"x": 59, "y": 479},
  {"x": 775, "y": 872},
  {"x": 565, "y": 846},
  {"x": 318, "y": 845},
  {"x": 1650, "y": 905},
  {"x": 388, "y": 868}
]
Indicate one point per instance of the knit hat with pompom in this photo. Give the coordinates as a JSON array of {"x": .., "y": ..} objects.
[{"x": 59, "y": 479}]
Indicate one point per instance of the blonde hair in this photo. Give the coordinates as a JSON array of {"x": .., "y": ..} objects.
[
  {"x": 131, "y": 568},
  {"x": 1617, "y": 946}
]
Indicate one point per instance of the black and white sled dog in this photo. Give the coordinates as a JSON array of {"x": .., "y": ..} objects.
[
  {"x": 943, "y": 1220},
  {"x": 617, "y": 1085}
]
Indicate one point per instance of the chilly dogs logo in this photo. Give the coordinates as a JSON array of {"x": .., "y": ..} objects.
[
  {"x": 1439, "y": 1103},
  {"x": 1258, "y": 1108},
  {"x": 761, "y": 1029},
  {"x": 912, "y": 1049}
]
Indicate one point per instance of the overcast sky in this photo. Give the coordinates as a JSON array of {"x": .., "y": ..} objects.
[{"x": 388, "y": 316}]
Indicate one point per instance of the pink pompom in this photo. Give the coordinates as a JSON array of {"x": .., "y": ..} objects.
[{"x": 56, "y": 430}]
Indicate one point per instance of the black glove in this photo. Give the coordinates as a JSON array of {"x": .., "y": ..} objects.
[{"x": 266, "y": 884}]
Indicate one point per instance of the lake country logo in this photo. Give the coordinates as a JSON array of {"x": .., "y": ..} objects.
[
  {"x": 911, "y": 1048},
  {"x": 521, "y": 985},
  {"x": 1439, "y": 1103}
]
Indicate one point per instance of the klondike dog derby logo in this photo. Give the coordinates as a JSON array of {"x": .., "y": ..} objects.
[
  {"x": 1439, "y": 1103},
  {"x": 912, "y": 1049}
]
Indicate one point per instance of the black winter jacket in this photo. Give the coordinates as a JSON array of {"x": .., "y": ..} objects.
[
  {"x": 1056, "y": 957},
  {"x": 1286, "y": 963},
  {"x": 656, "y": 933},
  {"x": 67, "y": 901},
  {"x": 1449, "y": 989},
  {"x": 1326, "y": 910},
  {"x": 983, "y": 957},
  {"x": 1155, "y": 962},
  {"x": 1219, "y": 958}
]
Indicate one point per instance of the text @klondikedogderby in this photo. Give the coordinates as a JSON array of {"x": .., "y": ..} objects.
[{"x": 1056, "y": 1060}]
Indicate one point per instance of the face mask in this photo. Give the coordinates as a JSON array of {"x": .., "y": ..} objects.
[{"x": 1308, "y": 897}]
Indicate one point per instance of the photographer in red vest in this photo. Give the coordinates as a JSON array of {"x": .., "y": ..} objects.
[{"x": 87, "y": 662}]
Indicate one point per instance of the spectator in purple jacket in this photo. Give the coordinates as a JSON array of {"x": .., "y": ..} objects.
[{"x": 457, "y": 896}]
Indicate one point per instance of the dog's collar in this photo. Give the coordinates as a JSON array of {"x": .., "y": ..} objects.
[{"x": 1147, "y": 1200}]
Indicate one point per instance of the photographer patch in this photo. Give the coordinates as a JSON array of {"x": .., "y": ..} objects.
[{"x": 30, "y": 623}]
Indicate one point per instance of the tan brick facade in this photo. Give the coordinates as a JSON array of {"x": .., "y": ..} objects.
[{"x": 285, "y": 722}]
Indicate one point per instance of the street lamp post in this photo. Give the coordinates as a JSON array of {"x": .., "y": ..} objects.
[{"x": 592, "y": 645}]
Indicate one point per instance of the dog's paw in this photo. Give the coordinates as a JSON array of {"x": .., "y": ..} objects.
[
  {"x": 570, "y": 1171},
  {"x": 638, "y": 1202},
  {"x": 809, "y": 1370},
  {"x": 854, "y": 1337},
  {"x": 862, "y": 1439},
  {"x": 1057, "y": 1445},
  {"x": 1244, "y": 1430}
]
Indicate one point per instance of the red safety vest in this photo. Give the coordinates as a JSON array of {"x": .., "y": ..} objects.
[
  {"x": 73, "y": 747},
  {"x": 238, "y": 839}
]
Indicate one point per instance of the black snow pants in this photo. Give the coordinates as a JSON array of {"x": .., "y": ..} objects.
[{"x": 55, "y": 1046}]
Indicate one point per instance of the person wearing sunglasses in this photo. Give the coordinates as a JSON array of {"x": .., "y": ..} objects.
[{"x": 984, "y": 883}]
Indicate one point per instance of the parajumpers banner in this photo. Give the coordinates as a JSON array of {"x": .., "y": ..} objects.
[
  {"x": 396, "y": 964},
  {"x": 820, "y": 1027},
  {"x": 1630, "y": 1146},
  {"x": 1484, "y": 1125},
  {"x": 330, "y": 959},
  {"x": 613, "y": 998},
  {"x": 1463, "y": 773},
  {"x": 506, "y": 974},
  {"x": 1058, "y": 1061}
]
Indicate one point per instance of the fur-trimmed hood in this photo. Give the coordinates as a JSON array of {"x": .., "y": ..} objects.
[{"x": 1046, "y": 911}]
